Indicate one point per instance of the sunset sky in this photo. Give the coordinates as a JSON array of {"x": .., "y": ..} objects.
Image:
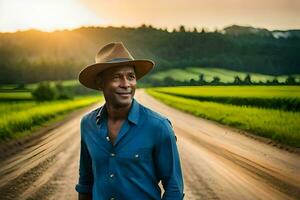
[{"x": 49, "y": 15}]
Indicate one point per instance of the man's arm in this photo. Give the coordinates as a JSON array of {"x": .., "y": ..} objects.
[
  {"x": 82, "y": 196},
  {"x": 86, "y": 178},
  {"x": 168, "y": 164}
]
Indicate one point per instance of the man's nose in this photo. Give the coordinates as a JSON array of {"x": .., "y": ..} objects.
[{"x": 124, "y": 83}]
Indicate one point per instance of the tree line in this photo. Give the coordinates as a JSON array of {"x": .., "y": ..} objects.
[
  {"x": 169, "y": 81},
  {"x": 33, "y": 56}
]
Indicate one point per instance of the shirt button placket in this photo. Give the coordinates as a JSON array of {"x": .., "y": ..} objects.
[
  {"x": 112, "y": 155},
  {"x": 112, "y": 166}
]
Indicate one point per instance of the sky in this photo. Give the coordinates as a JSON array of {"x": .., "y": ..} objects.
[{"x": 50, "y": 15}]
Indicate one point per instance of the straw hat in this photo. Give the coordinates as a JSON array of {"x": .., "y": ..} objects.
[{"x": 112, "y": 55}]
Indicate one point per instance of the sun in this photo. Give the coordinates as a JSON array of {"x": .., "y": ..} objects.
[{"x": 45, "y": 15}]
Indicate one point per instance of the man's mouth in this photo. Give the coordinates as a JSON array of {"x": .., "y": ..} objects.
[{"x": 125, "y": 94}]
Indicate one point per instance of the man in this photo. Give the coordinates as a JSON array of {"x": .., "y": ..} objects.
[{"x": 126, "y": 149}]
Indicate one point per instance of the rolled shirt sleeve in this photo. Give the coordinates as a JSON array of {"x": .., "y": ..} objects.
[
  {"x": 86, "y": 179},
  {"x": 168, "y": 163}
]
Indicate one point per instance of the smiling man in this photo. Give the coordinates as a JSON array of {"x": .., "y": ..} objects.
[{"x": 126, "y": 148}]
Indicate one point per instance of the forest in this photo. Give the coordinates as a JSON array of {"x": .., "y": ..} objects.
[{"x": 33, "y": 56}]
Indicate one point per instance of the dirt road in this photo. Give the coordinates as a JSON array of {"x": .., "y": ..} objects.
[{"x": 218, "y": 162}]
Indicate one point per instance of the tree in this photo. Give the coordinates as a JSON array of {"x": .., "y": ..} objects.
[
  {"x": 44, "y": 92},
  {"x": 237, "y": 80},
  {"x": 215, "y": 81},
  {"x": 144, "y": 26},
  {"x": 290, "y": 80},
  {"x": 247, "y": 80},
  {"x": 169, "y": 81},
  {"x": 201, "y": 79},
  {"x": 193, "y": 82},
  {"x": 275, "y": 81},
  {"x": 62, "y": 92},
  {"x": 182, "y": 29}
]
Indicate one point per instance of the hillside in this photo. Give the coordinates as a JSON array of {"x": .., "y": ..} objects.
[
  {"x": 32, "y": 56},
  {"x": 225, "y": 75}
]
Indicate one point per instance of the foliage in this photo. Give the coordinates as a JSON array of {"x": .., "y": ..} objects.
[
  {"x": 278, "y": 125},
  {"x": 10, "y": 96},
  {"x": 17, "y": 118},
  {"x": 205, "y": 76},
  {"x": 44, "y": 92},
  {"x": 34, "y": 56},
  {"x": 290, "y": 80},
  {"x": 62, "y": 92}
]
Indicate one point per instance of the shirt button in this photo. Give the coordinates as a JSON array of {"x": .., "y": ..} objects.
[
  {"x": 112, "y": 154},
  {"x": 107, "y": 138},
  {"x": 136, "y": 155},
  {"x": 112, "y": 198},
  {"x": 111, "y": 175}
]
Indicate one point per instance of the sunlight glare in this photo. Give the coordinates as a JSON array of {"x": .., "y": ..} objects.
[{"x": 45, "y": 15}]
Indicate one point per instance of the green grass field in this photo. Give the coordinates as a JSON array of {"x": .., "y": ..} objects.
[
  {"x": 15, "y": 96},
  {"x": 226, "y": 76},
  {"x": 65, "y": 83},
  {"x": 279, "y": 125},
  {"x": 19, "y": 118},
  {"x": 278, "y": 97},
  {"x": 236, "y": 91}
]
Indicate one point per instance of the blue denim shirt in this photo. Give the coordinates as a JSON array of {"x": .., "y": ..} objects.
[{"x": 143, "y": 154}]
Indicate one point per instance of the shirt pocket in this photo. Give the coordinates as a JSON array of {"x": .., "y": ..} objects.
[
  {"x": 137, "y": 155},
  {"x": 143, "y": 154},
  {"x": 135, "y": 162}
]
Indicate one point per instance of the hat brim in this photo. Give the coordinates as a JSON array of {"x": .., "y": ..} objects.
[{"x": 88, "y": 75}]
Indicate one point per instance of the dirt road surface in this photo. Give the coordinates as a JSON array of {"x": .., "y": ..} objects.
[{"x": 218, "y": 162}]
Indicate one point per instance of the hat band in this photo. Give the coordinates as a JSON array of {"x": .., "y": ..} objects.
[{"x": 119, "y": 60}]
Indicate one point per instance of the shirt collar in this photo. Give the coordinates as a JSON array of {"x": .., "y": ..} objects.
[
  {"x": 134, "y": 112},
  {"x": 102, "y": 114},
  {"x": 133, "y": 115}
]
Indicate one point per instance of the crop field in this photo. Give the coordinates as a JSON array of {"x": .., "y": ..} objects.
[
  {"x": 15, "y": 96},
  {"x": 19, "y": 118},
  {"x": 65, "y": 83},
  {"x": 277, "y": 97},
  {"x": 225, "y": 75},
  {"x": 278, "y": 124}
]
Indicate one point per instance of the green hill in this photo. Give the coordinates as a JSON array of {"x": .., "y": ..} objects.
[{"x": 225, "y": 75}]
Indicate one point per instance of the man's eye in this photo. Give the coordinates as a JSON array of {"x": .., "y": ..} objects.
[{"x": 131, "y": 77}]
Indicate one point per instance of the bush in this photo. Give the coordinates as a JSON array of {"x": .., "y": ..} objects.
[
  {"x": 63, "y": 92},
  {"x": 44, "y": 92}
]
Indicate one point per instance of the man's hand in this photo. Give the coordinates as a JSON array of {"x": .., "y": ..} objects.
[{"x": 84, "y": 196}]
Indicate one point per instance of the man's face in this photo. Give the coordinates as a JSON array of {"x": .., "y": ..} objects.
[{"x": 118, "y": 85}]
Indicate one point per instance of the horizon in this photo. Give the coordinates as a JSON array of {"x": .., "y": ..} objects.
[
  {"x": 188, "y": 29},
  {"x": 208, "y": 14}
]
